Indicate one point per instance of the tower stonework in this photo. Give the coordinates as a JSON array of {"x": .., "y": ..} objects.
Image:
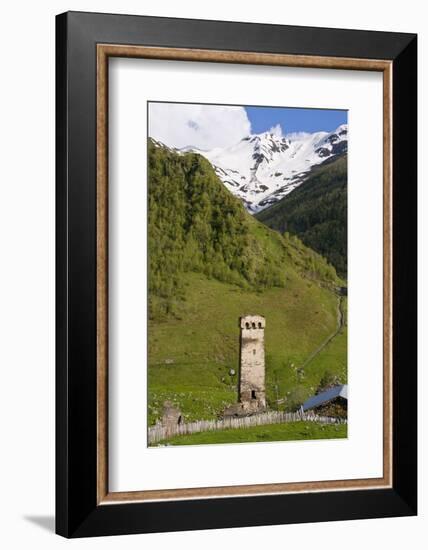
[{"x": 252, "y": 394}]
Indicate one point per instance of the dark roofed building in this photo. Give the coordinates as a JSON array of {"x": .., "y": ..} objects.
[{"x": 332, "y": 402}]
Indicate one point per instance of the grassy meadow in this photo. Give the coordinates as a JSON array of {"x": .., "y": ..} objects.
[
  {"x": 190, "y": 357},
  {"x": 292, "y": 431}
]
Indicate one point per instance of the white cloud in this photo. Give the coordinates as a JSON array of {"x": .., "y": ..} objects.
[
  {"x": 296, "y": 136},
  {"x": 202, "y": 126},
  {"x": 276, "y": 130}
]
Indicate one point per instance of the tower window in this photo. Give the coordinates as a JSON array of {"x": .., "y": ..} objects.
[
  {"x": 254, "y": 325},
  {"x": 260, "y": 325},
  {"x": 247, "y": 325},
  {"x": 253, "y": 394}
]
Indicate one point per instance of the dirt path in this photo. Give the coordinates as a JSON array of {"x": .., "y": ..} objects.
[{"x": 340, "y": 325}]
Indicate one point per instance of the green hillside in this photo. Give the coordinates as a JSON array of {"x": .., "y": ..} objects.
[
  {"x": 317, "y": 212},
  {"x": 211, "y": 262}
]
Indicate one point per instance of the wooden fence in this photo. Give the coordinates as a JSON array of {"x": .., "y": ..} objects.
[{"x": 159, "y": 432}]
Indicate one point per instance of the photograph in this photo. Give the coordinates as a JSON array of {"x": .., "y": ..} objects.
[{"x": 247, "y": 273}]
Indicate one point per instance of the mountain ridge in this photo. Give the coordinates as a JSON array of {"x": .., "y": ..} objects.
[
  {"x": 261, "y": 169},
  {"x": 197, "y": 225}
]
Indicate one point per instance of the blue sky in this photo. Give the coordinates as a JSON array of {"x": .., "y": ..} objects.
[
  {"x": 208, "y": 126},
  {"x": 295, "y": 120}
]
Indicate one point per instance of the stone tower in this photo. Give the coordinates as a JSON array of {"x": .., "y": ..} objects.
[{"x": 252, "y": 393}]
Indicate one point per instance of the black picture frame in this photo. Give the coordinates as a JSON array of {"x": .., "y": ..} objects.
[{"x": 77, "y": 512}]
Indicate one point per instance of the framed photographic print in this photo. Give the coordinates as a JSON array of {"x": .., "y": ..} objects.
[{"x": 236, "y": 274}]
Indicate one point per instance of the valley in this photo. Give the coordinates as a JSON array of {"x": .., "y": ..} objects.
[{"x": 211, "y": 262}]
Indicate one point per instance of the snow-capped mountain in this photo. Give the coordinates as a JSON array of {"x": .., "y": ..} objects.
[{"x": 262, "y": 168}]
